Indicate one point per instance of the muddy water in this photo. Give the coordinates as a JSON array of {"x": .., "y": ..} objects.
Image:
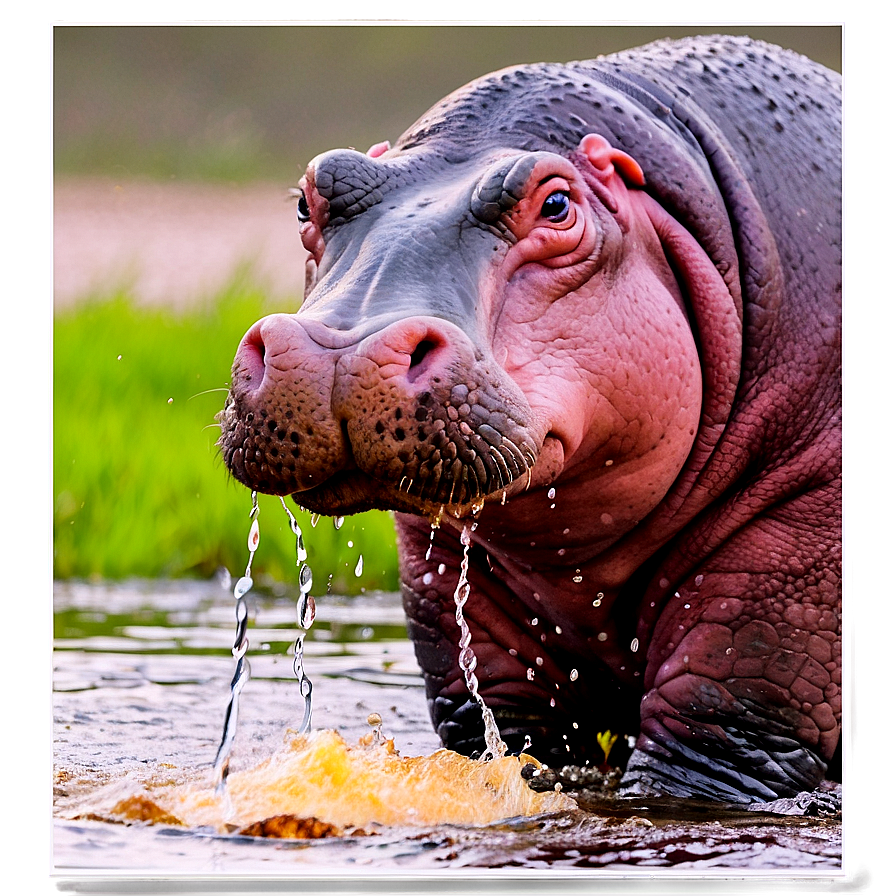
[{"x": 141, "y": 679}]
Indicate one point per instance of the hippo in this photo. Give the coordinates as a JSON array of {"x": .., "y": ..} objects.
[{"x": 579, "y": 330}]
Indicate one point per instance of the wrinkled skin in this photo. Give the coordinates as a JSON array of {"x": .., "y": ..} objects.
[{"x": 590, "y": 313}]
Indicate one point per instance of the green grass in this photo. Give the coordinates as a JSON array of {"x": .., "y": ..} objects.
[{"x": 139, "y": 486}]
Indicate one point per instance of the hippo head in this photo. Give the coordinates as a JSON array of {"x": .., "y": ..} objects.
[
  {"x": 468, "y": 330},
  {"x": 471, "y": 328}
]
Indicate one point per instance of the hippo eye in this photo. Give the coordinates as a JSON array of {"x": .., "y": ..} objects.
[
  {"x": 556, "y": 206},
  {"x": 304, "y": 213}
]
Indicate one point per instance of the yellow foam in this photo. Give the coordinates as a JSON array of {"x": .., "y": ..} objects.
[{"x": 321, "y": 776}]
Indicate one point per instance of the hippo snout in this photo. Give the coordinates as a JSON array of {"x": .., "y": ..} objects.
[
  {"x": 412, "y": 416},
  {"x": 275, "y": 438}
]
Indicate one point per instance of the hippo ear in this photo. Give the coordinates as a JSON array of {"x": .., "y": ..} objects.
[
  {"x": 606, "y": 160},
  {"x": 379, "y": 148}
]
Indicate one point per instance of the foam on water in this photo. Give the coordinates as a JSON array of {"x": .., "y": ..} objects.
[{"x": 320, "y": 776}]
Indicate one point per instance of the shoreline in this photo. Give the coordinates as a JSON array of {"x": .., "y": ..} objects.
[{"x": 174, "y": 244}]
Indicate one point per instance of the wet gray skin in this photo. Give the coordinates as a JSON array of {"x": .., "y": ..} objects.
[{"x": 594, "y": 307}]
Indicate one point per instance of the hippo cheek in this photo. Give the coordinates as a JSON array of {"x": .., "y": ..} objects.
[
  {"x": 431, "y": 419},
  {"x": 278, "y": 434}
]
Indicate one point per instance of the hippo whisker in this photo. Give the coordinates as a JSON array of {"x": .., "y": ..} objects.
[
  {"x": 517, "y": 454},
  {"x": 503, "y": 469},
  {"x": 209, "y": 392}
]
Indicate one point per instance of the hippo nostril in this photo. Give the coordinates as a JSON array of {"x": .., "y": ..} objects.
[
  {"x": 419, "y": 353},
  {"x": 254, "y": 341}
]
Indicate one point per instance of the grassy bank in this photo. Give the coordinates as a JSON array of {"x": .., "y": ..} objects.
[{"x": 139, "y": 487}]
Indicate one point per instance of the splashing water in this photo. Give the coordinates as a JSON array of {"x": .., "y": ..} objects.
[
  {"x": 240, "y": 646},
  {"x": 494, "y": 746}
]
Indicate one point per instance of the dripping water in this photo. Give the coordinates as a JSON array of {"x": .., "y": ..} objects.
[
  {"x": 240, "y": 646},
  {"x": 494, "y": 745},
  {"x": 305, "y": 611},
  {"x": 434, "y": 524}
]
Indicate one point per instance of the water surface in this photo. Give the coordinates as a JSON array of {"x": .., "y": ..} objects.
[{"x": 141, "y": 684}]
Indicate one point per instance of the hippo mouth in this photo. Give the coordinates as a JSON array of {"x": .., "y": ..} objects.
[{"x": 343, "y": 433}]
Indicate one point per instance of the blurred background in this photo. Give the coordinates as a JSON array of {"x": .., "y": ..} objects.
[{"x": 174, "y": 148}]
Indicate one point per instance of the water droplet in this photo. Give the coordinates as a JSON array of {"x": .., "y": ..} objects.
[
  {"x": 561, "y": 552},
  {"x": 467, "y": 658},
  {"x": 513, "y": 651},
  {"x": 254, "y": 536},
  {"x": 558, "y": 629},
  {"x": 306, "y": 610},
  {"x": 366, "y": 633},
  {"x": 602, "y": 636},
  {"x": 539, "y": 661},
  {"x": 338, "y": 521},
  {"x": 374, "y": 719},
  {"x": 434, "y": 524},
  {"x": 305, "y": 578},
  {"x": 634, "y": 645},
  {"x": 441, "y": 569},
  {"x": 242, "y": 586},
  {"x": 535, "y": 621},
  {"x": 608, "y": 463},
  {"x": 553, "y": 703},
  {"x": 301, "y": 553},
  {"x": 552, "y": 493},
  {"x": 577, "y": 577},
  {"x": 170, "y": 401},
  {"x": 359, "y": 566},
  {"x": 119, "y": 357},
  {"x": 698, "y": 581},
  {"x": 530, "y": 674},
  {"x": 573, "y": 674},
  {"x": 315, "y": 519}
]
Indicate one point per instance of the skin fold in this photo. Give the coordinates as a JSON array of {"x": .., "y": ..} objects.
[{"x": 589, "y": 315}]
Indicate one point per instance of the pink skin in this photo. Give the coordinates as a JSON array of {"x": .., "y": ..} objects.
[
  {"x": 620, "y": 400},
  {"x": 620, "y": 396}
]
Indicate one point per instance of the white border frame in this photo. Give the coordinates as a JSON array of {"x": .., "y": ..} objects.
[{"x": 27, "y": 268}]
